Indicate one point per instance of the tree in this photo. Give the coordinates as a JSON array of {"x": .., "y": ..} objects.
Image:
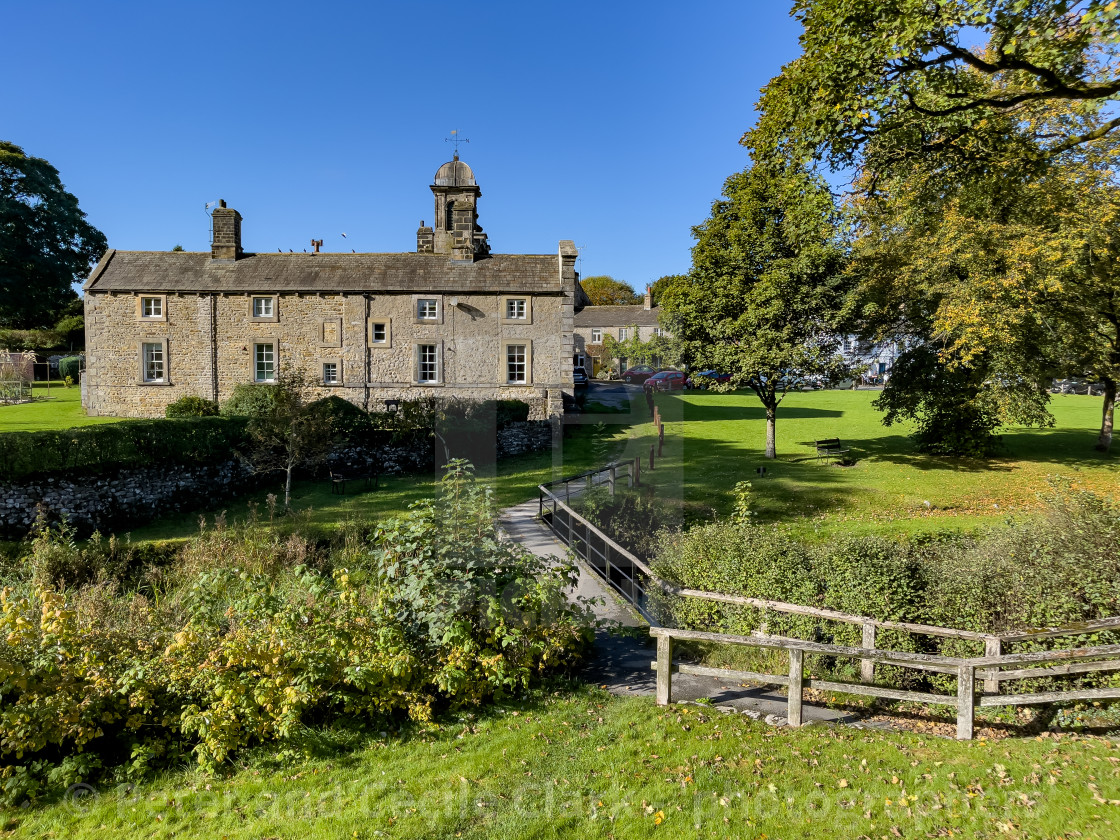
[
  {"x": 285, "y": 430},
  {"x": 662, "y": 285},
  {"x": 765, "y": 296},
  {"x": 46, "y": 244},
  {"x": 907, "y": 80},
  {"x": 606, "y": 291},
  {"x": 995, "y": 283}
]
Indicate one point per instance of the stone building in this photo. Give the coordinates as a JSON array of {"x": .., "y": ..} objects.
[
  {"x": 593, "y": 323},
  {"x": 451, "y": 319}
]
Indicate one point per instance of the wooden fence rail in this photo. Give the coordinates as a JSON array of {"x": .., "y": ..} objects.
[{"x": 634, "y": 581}]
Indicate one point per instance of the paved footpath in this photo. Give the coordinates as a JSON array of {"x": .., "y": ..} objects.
[{"x": 621, "y": 660}]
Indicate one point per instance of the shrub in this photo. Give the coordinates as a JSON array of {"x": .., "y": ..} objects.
[
  {"x": 114, "y": 445},
  {"x": 190, "y": 406},
  {"x": 347, "y": 422},
  {"x": 70, "y": 366},
  {"x": 247, "y": 636},
  {"x": 250, "y": 400}
]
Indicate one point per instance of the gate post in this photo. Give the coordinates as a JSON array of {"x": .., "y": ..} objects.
[
  {"x": 966, "y": 699},
  {"x": 992, "y": 647},
  {"x": 867, "y": 666},
  {"x": 664, "y": 670},
  {"x": 796, "y": 685}
]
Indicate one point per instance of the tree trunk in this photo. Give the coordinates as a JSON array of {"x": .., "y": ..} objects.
[
  {"x": 288, "y": 488},
  {"x": 771, "y": 443},
  {"x": 1104, "y": 442}
]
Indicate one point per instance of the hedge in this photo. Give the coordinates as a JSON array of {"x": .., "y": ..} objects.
[
  {"x": 128, "y": 443},
  {"x": 70, "y": 366}
]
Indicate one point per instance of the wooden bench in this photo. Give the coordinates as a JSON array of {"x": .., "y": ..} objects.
[
  {"x": 831, "y": 448},
  {"x": 339, "y": 480}
]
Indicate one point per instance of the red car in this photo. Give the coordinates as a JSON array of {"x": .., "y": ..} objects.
[
  {"x": 637, "y": 374},
  {"x": 667, "y": 380}
]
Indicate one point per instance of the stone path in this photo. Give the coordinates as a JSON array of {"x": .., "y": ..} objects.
[{"x": 622, "y": 656}]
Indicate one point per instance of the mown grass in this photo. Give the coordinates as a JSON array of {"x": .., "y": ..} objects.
[
  {"x": 578, "y": 763},
  {"x": 715, "y": 440},
  {"x": 56, "y": 407}
]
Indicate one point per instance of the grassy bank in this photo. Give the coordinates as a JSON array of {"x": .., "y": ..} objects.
[
  {"x": 716, "y": 440},
  {"x": 582, "y": 764},
  {"x": 56, "y": 407}
]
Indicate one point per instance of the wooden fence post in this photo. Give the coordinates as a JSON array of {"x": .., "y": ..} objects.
[
  {"x": 664, "y": 670},
  {"x": 867, "y": 666},
  {"x": 992, "y": 647},
  {"x": 651, "y": 448},
  {"x": 796, "y": 685},
  {"x": 612, "y": 477},
  {"x": 636, "y": 473},
  {"x": 660, "y": 440},
  {"x": 966, "y": 700}
]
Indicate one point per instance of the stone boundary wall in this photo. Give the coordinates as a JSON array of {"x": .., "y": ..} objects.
[{"x": 129, "y": 497}]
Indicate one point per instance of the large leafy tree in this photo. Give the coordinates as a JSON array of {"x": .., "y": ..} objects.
[
  {"x": 923, "y": 78},
  {"x": 46, "y": 244},
  {"x": 766, "y": 292},
  {"x": 604, "y": 290}
]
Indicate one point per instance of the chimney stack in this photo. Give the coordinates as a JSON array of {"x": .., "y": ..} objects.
[
  {"x": 649, "y": 297},
  {"x": 227, "y": 233}
]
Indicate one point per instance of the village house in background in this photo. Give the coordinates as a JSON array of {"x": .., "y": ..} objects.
[
  {"x": 594, "y": 323},
  {"x": 450, "y": 320}
]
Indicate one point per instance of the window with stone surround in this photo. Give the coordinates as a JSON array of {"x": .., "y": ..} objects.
[
  {"x": 263, "y": 308},
  {"x": 596, "y": 336},
  {"x": 151, "y": 307},
  {"x": 153, "y": 362},
  {"x": 331, "y": 374},
  {"x": 427, "y": 364},
  {"x": 516, "y": 310},
  {"x": 623, "y": 333},
  {"x": 264, "y": 362},
  {"x": 427, "y": 309},
  {"x": 518, "y": 359}
]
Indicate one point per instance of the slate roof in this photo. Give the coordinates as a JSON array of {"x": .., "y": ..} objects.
[
  {"x": 186, "y": 271},
  {"x": 617, "y": 316}
]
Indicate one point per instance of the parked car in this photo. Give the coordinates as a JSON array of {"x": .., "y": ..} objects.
[
  {"x": 667, "y": 380},
  {"x": 706, "y": 378},
  {"x": 637, "y": 374},
  {"x": 579, "y": 377}
]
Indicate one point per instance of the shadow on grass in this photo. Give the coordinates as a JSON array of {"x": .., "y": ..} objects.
[{"x": 723, "y": 413}]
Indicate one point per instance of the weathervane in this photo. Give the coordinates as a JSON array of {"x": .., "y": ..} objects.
[{"x": 456, "y": 139}]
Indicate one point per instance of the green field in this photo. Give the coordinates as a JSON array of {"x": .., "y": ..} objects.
[
  {"x": 578, "y": 763},
  {"x": 56, "y": 407},
  {"x": 715, "y": 440}
]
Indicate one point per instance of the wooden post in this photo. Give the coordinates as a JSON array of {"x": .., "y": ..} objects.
[
  {"x": 612, "y": 477},
  {"x": 796, "y": 683},
  {"x": 966, "y": 699},
  {"x": 867, "y": 666},
  {"x": 992, "y": 647},
  {"x": 660, "y": 440},
  {"x": 636, "y": 473},
  {"x": 651, "y": 448},
  {"x": 568, "y": 493},
  {"x": 664, "y": 670}
]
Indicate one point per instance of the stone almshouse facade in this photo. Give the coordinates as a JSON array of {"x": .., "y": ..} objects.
[{"x": 451, "y": 320}]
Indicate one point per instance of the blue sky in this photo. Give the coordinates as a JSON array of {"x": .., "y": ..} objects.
[{"x": 612, "y": 124}]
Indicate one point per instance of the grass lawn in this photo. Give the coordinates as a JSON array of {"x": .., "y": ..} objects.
[
  {"x": 582, "y": 764},
  {"x": 58, "y": 407},
  {"x": 716, "y": 440}
]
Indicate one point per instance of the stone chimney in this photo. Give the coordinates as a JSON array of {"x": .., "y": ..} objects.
[
  {"x": 425, "y": 239},
  {"x": 226, "y": 244},
  {"x": 649, "y": 298}
]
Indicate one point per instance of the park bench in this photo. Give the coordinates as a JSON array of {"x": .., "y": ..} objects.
[
  {"x": 831, "y": 448},
  {"x": 340, "y": 479}
]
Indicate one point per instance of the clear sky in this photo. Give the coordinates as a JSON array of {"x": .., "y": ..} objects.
[{"x": 612, "y": 124}]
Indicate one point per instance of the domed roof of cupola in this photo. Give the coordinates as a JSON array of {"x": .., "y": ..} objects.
[{"x": 455, "y": 173}]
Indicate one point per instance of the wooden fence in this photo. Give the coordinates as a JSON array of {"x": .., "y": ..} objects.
[{"x": 632, "y": 579}]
